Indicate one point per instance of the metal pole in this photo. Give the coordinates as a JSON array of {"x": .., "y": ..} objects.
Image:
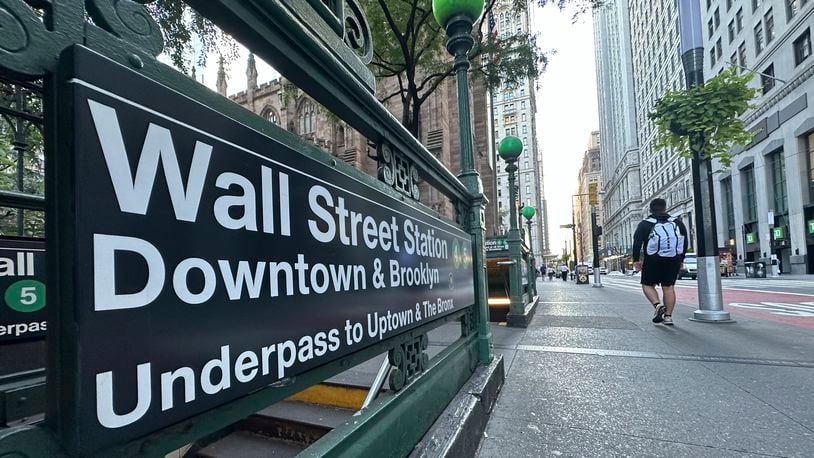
[
  {"x": 516, "y": 306},
  {"x": 460, "y": 41},
  {"x": 595, "y": 237},
  {"x": 710, "y": 297},
  {"x": 532, "y": 264}
]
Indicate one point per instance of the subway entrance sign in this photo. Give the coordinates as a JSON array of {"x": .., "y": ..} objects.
[
  {"x": 22, "y": 288},
  {"x": 224, "y": 260}
]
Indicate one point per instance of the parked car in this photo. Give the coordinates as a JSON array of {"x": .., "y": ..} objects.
[
  {"x": 690, "y": 267},
  {"x": 603, "y": 271}
]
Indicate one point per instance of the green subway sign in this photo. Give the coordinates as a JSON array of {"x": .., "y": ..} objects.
[
  {"x": 22, "y": 276},
  {"x": 779, "y": 233},
  {"x": 750, "y": 238},
  {"x": 811, "y": 226}
]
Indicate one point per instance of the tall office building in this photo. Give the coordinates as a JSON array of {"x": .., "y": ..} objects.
[
  {"x": 765, "y": 199},
  {"x": 513, "y": 112},
  {"x": 590, "y": 175},
  {"x": 654, "y": 42},
  {"x": 621, "y": 184}
]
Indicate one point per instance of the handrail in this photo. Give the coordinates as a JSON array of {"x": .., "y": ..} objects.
[{"x": 377, "y": 385}]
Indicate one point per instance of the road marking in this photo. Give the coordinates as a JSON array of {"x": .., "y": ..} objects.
[
  {"x": 666, "y": 356},
  {"x": 804, "y": 309}
]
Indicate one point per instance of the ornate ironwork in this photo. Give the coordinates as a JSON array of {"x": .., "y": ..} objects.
[
  {"x": 129, "y": 21},
  {"x": 408, "y": 361},
  {"x": 396, "y": 171},
  {"x": 357, "y": 31},
  {"x": 469, "y": 322}
]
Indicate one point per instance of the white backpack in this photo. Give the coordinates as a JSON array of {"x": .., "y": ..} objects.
[{"x": 665, "y": 239}]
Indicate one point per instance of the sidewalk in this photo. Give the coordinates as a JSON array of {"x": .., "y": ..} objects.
[{"x": 592, "y": 376}]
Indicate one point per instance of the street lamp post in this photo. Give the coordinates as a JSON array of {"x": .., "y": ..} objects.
[
  {"x": 528, "y": 213},
  {"x": 457, "y": 18},
  {"x": 710, "y": 297},
  {"x": 510, "y": 149}
]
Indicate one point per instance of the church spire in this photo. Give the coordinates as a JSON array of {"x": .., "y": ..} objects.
[
  {"x": 221, "y": 81},
  {"x": 251, "y": 72}
]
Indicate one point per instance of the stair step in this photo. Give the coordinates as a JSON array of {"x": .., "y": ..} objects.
[
  {"x": 245, "y": 444},
  {"x": 295, "y": 421}
]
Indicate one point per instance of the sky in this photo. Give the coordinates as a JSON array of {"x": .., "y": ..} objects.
[
  {"x": 566, "y": 109},
  {"x": 566, "y": 104}
]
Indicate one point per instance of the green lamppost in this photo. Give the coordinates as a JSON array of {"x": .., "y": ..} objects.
[
  {"x": 510, "y": 149},
  {"x": 457, "y": 17},
  {"x": 528, "y": 213}
]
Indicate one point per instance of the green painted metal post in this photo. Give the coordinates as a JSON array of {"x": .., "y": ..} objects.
[
  {"x": 510, "y": 149},
  {"x": 457, "y": 17},
  {"x": 528, "y": 213}
]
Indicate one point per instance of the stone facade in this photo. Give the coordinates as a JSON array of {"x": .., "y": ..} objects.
[
  {"x": 590, "y": 173},
  {"x": 621, "y": 181},
  {"x": 766, "y": 197}
]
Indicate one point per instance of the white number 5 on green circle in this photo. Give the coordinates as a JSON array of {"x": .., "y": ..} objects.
[{"x": 26, "y": 296}]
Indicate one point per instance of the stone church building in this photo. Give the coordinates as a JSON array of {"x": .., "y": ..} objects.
[{"x": 280, "y": 102}]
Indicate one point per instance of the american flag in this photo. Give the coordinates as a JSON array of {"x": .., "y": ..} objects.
[{"x": 492, "y": 25}]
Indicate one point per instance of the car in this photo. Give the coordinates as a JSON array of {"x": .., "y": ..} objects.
[
  {"x": 690, "y": 267},
  {"x": 603, "y": 271}
]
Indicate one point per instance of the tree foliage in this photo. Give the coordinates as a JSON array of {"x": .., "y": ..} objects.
[
  {"x": 409, "y": 48},
  {"x": 188, "y": 34},
  {"x": 710, "y": 113}
]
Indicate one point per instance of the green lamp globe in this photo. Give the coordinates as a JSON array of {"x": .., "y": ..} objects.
[
  {"x": 444, "y": 10},
  {"x": 528, "y": 212},
  {"x": 510, "y": 148}
]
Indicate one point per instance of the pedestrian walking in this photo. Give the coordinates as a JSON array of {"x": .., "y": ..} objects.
[
  {"x": 550, "y": 273},
  {"x": 664, "y": 239},
  {"x": 564, "y": 272}
]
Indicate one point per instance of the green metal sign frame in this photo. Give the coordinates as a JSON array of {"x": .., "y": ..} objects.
[{"x": 324, "y": 51}]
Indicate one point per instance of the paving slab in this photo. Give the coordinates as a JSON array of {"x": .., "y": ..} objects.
[{"x": 592, "y": 376}]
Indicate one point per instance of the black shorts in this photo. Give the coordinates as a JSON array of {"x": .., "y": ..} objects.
[{"x": 660, "y": 271}]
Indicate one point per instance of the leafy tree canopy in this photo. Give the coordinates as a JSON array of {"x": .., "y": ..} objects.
[{"x": 710, "y": 113}]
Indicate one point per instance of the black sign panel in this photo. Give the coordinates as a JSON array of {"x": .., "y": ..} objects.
[
  {"x": 212, "y": 260},
  {"x": 22, "y": 286}
]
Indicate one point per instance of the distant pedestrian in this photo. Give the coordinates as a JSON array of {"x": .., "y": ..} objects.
[
  {"x": 550, "y": 274},
  {"x": 564, "y": 272},
  {"x": 664, "y": 239}
]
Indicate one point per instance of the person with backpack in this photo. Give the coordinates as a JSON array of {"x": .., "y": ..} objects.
[{"x": 664, "y": 238}]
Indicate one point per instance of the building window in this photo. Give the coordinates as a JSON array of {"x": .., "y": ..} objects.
[
  {"x": 717, "y": 16},
  {"x": 270, "y": 115},
  {"x": 742, "y": 55},
  {"x": 305, "y": 117},
  {"x": 739, "y": 20},
  {"x": 802, "y": 47},
  {"x": 728, "y": 5},
  {"x": 749, "y": 201},
  {"x": 726, "y": 188},
  {"x": 731, "y": 28},
  {"x": 718, "y": 49},
  {"x": 769, "y": 20},
  {"x": 810, "y": 148},
  {"x": 711, "y": 57},
  {"x": 778, "y": 170},
  {"x": 755, "y": 5},
  {"x": 792, "y": 7},
  {"x": 710, "y": 29},
  {"x": 758, "y": 38},
  {"x": 767, "y": 78}
]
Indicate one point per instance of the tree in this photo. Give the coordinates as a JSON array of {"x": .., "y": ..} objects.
[
  {"x": 710, "y": 113},
  {"x": 408, "y": 46}
]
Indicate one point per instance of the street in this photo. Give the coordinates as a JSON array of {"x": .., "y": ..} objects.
[
  {"x": 593, "y": 376},
  {"x": 789, "y": 301}
]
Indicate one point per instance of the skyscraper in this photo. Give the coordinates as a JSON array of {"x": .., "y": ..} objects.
[
  {"x": 657, "y": 68},
  {"x": 621, "y": 184},
  {"x": 513, "y": 109}
]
